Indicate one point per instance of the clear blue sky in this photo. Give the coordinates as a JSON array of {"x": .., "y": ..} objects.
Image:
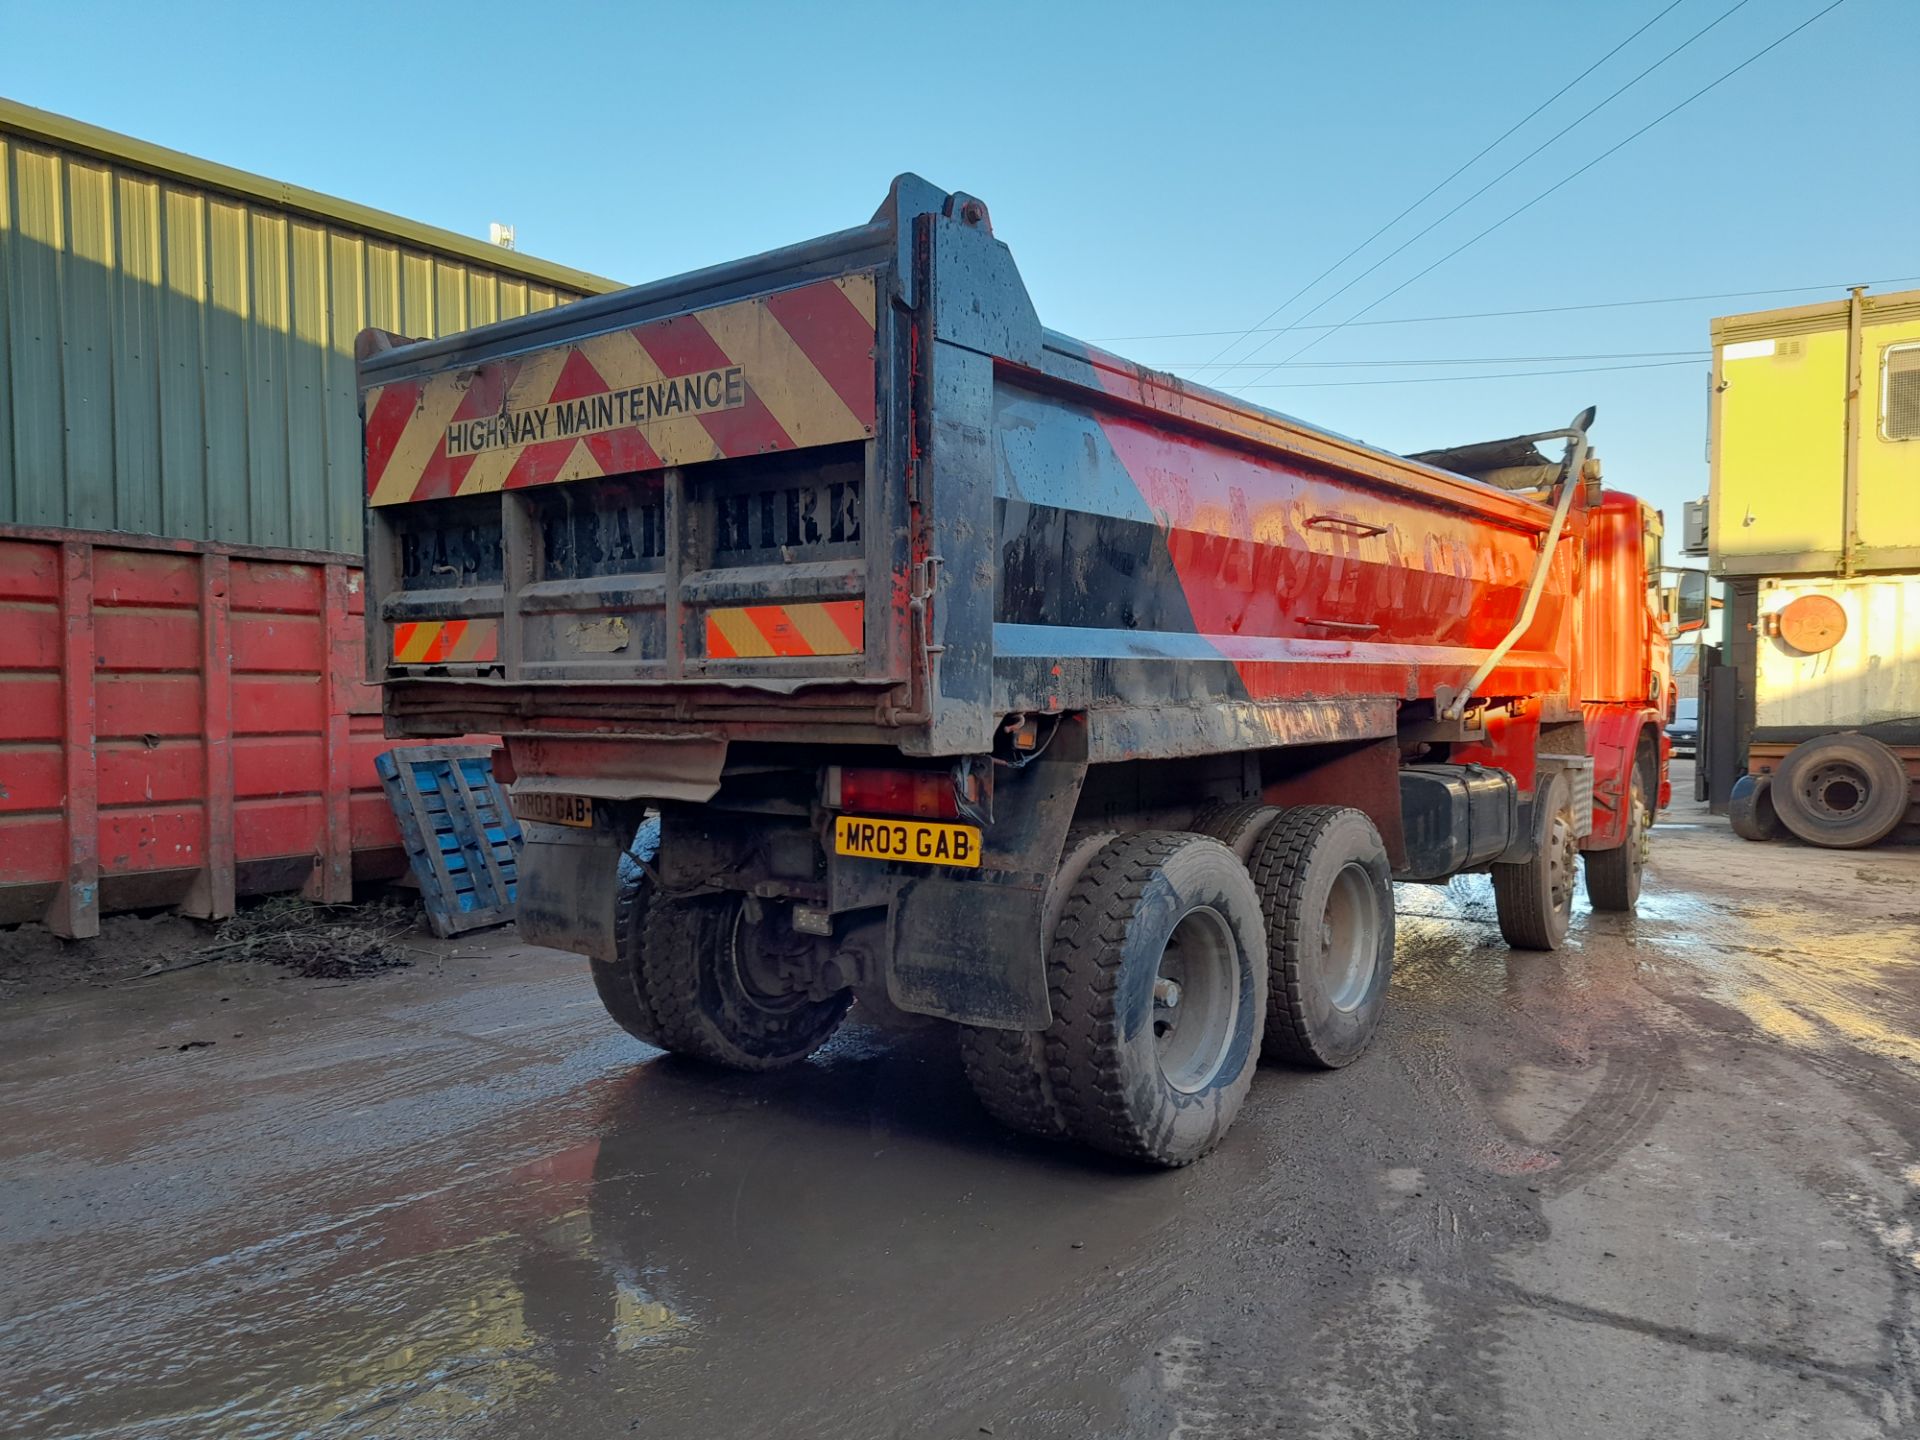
[{"x": 1156, "y": 168}]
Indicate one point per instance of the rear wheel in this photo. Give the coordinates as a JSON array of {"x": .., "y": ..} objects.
[
  {"x": 725, "y": 988},
  {"x": 1613, "y": 876},
  {"x": 1236, "y": 826},
  {"x": 1327, "y": 894},
  {"x": 617, "y": 981},
  {"x": 1008, "y": 1068},
  {"x": 1159, "y": 987},
  {"x": 1008, "y": 1072},
  {"x": 1535, "y": 900},
  {"x": 1841, "y": 791}
]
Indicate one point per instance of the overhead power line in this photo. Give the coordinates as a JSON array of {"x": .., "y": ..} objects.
[
  {"x": 1468, "y": 360},
  {"x": 1450, "y": 379},
  {"x": 1503, "y": 314},
  {"x": 1478, "y": 155},
  {"x": 1552, "y": 139},
  {"x": 1568, "y": 179}
]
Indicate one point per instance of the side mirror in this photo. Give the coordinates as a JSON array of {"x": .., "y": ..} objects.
[{"x": 1690, "y": 607}]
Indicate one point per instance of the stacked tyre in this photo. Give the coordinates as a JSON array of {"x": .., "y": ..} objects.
[{"x": 1838, "y": 791}]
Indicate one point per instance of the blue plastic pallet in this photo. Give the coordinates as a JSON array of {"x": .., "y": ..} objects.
[{"x": 461, "y": 839}]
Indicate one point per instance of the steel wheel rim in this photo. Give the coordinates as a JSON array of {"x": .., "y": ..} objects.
[
  {"x": 751, "y": 976},
  {"x": 1349, "y": 940},
  {"x": 1563, "y": 853},
  {"x": 1640, "y": 826},
  {"x": 1196, "y": 1000},
  {"x": 1836, "y": 790}
]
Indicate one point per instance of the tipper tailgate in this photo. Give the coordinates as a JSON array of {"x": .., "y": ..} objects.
[{"x": 680, "y": 498}]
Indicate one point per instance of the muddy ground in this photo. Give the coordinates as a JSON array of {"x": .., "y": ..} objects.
[{"x": 1663, "y": 1183}]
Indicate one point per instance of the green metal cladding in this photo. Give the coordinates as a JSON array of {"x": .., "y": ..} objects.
[{"x": 176, "y": 338}]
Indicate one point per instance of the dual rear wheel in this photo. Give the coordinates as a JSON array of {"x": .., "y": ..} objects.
[
  {"x": 1174, "y": 963},
  {"x": 1175, "y": 960}
]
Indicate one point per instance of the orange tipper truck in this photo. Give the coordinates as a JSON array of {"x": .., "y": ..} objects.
[{"x": 854, "y": 637}]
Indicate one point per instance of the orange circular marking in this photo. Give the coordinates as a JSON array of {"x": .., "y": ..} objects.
[{"x": 1813, "y": 624}]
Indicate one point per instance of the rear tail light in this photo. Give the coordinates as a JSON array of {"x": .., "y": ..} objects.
[{"x": 927, "y": 794}]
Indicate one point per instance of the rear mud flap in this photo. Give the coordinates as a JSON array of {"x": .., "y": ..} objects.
[
  {"x": 969, "y": 951},
  {"x": 569, "y": 891}
]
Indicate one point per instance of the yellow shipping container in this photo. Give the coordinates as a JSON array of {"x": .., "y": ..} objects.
[{"x": 1816, "y": 438}]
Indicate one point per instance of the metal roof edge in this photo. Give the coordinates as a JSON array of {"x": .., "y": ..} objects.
[
  {"x": 45, "y": 126},
  {"x": 1807, "y": 319}
]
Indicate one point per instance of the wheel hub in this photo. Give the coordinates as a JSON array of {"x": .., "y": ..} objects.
[
  {"x": 770, "y": 975},
  {"x": 1640, "y": 825},
  {"x": 1349, "y": 939},
  {"x": 1563, "y": 854},
  {"x": 1836, "y": 790},
  {"x": 1196, "y": 1000}
]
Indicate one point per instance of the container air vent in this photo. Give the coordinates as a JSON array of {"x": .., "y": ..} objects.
[{"x": 1900, "y": 393}]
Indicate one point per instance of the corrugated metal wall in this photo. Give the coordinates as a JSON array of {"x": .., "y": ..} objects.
[
  {"x": 178, "y": 360},
  {"x": 182, "y": 723}
]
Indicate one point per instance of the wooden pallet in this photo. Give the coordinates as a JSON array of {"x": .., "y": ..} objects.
[{"x": 461, "y": 839}]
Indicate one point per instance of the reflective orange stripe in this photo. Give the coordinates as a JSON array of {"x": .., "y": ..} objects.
[
  {"x": 759, "y": 632},
  {"x": 431, "y": 642},
  {"x": 782, "y": 637}
]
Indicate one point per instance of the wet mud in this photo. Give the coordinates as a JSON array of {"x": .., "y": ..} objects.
[{"x": 1665, "y": 1181}]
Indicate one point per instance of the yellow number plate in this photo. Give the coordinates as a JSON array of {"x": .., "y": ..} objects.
[
  {"x": 551, "y": 809},
  {"x": 918, "y": 841}
]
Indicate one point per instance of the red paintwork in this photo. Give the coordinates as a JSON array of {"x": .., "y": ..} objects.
[
  {"x": 76, "y": 903},
  {"x": 1513, "y": 740},
  {"x": 1416, "y": 571},
  {"x": 1614, "y": 734},
  {"x": 1624, "y": 640},
  {"x": 1273, "y": 527},
  {"x": 1626, "y": 672},
  {"x": 216, "y": 716}
]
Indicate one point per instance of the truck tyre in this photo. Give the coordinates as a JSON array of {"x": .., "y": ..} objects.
[
  {"x": 1534, "y": 900},
  {"x": 1841, "y": 791},
  {"x": 1008, "y": 1068},
  {"x": 617, "y": 982},
  {"x": 1613, "y": 875},
  {"x": 1238, "y": 826},
  {"x": 716, "y": 994},
  {"x": 1750, "y": 808},
  {"x": 1327, "y": 894},
  {"x": 1008, "y": 1072},
  {"x": 1159, "y": 986}
]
